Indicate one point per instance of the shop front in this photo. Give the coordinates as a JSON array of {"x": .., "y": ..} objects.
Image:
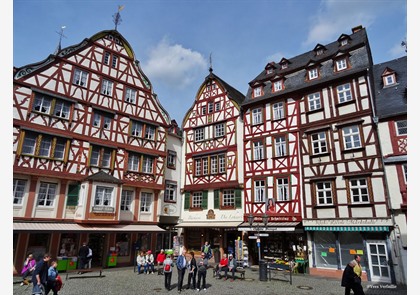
[{"x": 333, "y": 247}]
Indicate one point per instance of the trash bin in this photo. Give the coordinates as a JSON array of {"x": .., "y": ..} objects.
[{"x": 263, "y": 270}]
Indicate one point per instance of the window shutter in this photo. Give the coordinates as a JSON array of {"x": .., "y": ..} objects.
[
  {"x": 238, "y": 198},
  {"x": 73, "y": 194},
  {"x": 204, "y": 203},
  {"x": 187, "y": 201},
  {"x": 216, "y": 199},
  {"x": 20, "y": 144}
]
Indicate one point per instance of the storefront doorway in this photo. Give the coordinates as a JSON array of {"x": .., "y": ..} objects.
[
  {"x": 378, "y": 261},
  {"x": 97, "y": 244}
]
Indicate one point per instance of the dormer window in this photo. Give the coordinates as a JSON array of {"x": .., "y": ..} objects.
[
  {"x": 277, "y": 86},
  {"x": 389, "y": 79},
  {"x": 344, "y": 42},
  {"x": 320, "y": 51},
  {"x": 313, "y": 73},
  {"x": 341, "y": 64},
  {"x": 269, "y": 71},
  {"x": 284, "y": 65},
  {"x": 257, "y": 92}
]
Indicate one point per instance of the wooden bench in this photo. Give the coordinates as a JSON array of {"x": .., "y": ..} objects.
[
  {"x": 239, "y": 270},
  {"x": 80, "y": 272}
]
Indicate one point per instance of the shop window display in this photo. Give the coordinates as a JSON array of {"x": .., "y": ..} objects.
[{"x": 325, "y": 249}]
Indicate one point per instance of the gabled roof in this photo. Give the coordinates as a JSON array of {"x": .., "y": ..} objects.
[
  {"x": 232, "y": 93},
  {"x": 103, "y": 177},
  {"x": 391, "y": 100}
]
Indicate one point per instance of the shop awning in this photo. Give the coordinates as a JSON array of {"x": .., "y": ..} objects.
[
  {"x": 209, "y": 224},
  {"x": 272, "y": 226},
  {"x": 74, "y": 227},
  {"x": 347, "y": 228}
]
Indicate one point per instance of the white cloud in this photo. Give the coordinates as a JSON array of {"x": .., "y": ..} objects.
[
  {"x": 174, "y": 65},
  {"x": 336, "y": 17}
]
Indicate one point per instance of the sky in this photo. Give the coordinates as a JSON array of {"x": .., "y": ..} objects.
[{"x": 174, "y": 39}]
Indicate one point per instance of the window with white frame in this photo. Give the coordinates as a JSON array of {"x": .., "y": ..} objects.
[
  {"x": 228, "y": 198},
  {"x": 80, "y": 77},
  {"x": 107, "y": 55},
  {"x": 319, "y": 143},
  {"x": 217, "y": 106},
  {"x": 126, "y": 200},
  {"x": 203, "y": 110},
  {"x": 133, "y": 162},
  {"x": 278, "y": 85},
  {"x": 269, "y": 71},
  {"x": 205, "y": 163},
  {"x": 197, "y": 167},
  {"x": 62, "y": 109},
  {"x": 278, "y": 110},
  {"x": 283, "y": 189},
  {"x": 146, "y": 202},
  {"x": 259, "y": 191},
  {"x": 284, "y": 65},
  {"x": 258, "y": 150},
  {"x": 136, "y": 129},
  {"x": 18, "y": 191},
  {"x": 343, "y": 42},
  {"x": 42, "y": 145},
  {"x": 214, "y": 165},
  {"x": 197, "y": 200},
  {"x": 313, "y": 73},
  {"x": 147, "y": 166},
  {"x": 359, "y": 191},
  {"x": 280, "y": 146},
  {"x": 114, "y": 61},
  {"x": 46, "y": 194},
  {"x": 42, "y": 103},
  {"x": 100, "y": 157},
  {"x": 199, "y": 134},
  {"x": 389, "y": 79},
  {"x": 219, "y": 130},
  {"x": 171, "y": 161},
  {"x": 130, "y": 95},
  {"x": 314, "y": 101},
  {"x": 344, "y": 93},
  {"x": 211, "y": 107},
  {"x": 257, "y": 116},
  {"x": 341, "y": 64},
  {"x": 170, "y": 191},
  {"x": 351, "y": 137},
  {"x": 149, "y": 132},
  {"x": 257, "y": 92},
  {"x": 106, "y": 87},
  {"x": 324, "y": 193},
  {"x": 217, "y": 165},
  {"x": 401, "y": 127},
  {"x": 222, "y": 163}
]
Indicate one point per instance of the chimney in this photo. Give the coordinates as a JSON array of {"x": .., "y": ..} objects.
[{"x": 356, "y": 29}]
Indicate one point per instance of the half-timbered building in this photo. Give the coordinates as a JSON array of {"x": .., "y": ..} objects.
[
  {"x": 212, "y": 176},
  {"x": 90, "y": 154},
  {"x": 390, "y": 82},
  {"x": 346, "y": 209}
]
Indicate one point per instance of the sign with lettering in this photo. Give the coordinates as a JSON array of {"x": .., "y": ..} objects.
[{"x": 348, "y": 222}]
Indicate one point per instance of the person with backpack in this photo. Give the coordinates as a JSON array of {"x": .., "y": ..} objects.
[
  {"x": 206, "y": 249},
  {"x": 167, "y": 271}
]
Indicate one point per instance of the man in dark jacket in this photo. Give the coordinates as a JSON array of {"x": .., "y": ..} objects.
[
  {"x": 40, "y": 274},
  {"x": 348, "y": 279},
  {"x": 83, "y": 256}
]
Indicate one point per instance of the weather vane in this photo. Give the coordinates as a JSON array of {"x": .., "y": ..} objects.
[
  {"x": 61, "y": 33},
  {"x": 117, "y": 16},
  {"x": 211, "y": 64}
]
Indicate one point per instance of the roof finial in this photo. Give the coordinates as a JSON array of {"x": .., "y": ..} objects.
[
  {"x": 61, "y": 33},
  {"x": 211, "y": 64},
  {"x": 117, "y": 16}
]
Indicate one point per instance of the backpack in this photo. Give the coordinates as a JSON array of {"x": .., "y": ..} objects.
[{"x": 167, "y": 267}]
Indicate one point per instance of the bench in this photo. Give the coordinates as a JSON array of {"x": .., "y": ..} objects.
[
  {"x": 282, "y": 268},
  {"x": 239, "y": 270},
  {"x": 80, "y": 272}
]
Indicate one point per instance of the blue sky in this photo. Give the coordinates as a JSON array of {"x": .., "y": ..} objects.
[{"x": 174, "y": 39}]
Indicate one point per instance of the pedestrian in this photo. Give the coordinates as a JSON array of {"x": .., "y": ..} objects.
[
  {"x": 89, "y": 258},
  {"x": 159, "y": 261},
  {"x": 202, "y": 272},
  {"x": 28, "y": 268},
  {"x": 167, "y": 271},
  {"x": 348, "y": 278},
  {"x": 192, "y": 270},
  {"x": 358, "y": 271},
  {"x": 222, "y": 266},
  {"x": 52, "y": 278},
  {"x": 40, "y": 275},
  {"x": 150, "y": 263},
  {"x": 141, "y": 261},
  {"x": 207, "y": 250},
  {"x": 181, "y": 265},
  {"x": 83, "y": 253},
  {"x": 231, "y": 267}
]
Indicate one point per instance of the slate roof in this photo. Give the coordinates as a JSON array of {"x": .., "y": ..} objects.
[
  {"x": 104, "y": 177},
  {"x": 294, "y": 75},
  {"x": 391, "y": 100},
  {"x": 232, "y": 93}
]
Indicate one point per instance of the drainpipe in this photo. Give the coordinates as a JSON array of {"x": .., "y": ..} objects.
[{"x": 395, "y": 243}]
